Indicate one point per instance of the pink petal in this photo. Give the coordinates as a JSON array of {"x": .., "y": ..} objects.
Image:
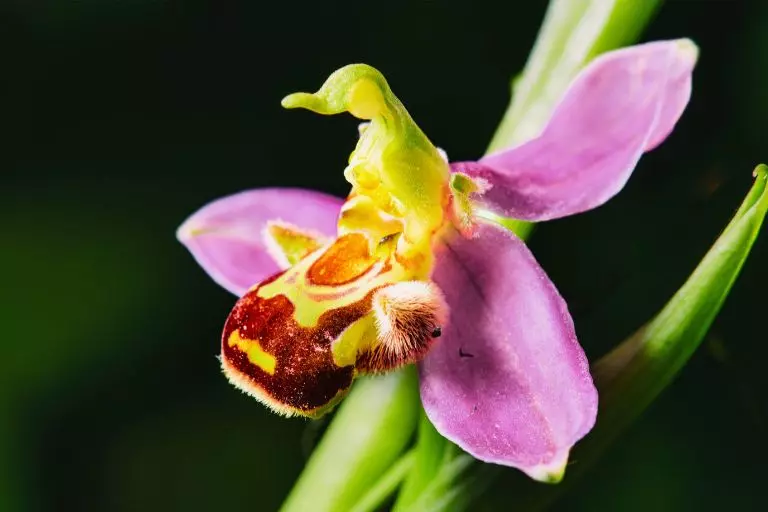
[
  {"x": 508, "y": 381},
  {"x": 622, "y": 104},
  {"x": 226, "y": 236}
]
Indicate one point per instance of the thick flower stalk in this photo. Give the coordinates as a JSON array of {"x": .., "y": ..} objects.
[{"x": 412, "y": 267}]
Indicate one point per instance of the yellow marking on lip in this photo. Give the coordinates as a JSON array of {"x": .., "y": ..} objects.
[
  {"x": 311, "y": 301},
  {"x": 360, "y": 334},
  {"x": 289, "y": 244},
  {"x": 253, "y": 350}
]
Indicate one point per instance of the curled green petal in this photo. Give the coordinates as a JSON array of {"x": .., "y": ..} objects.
[
  {"x": 395, "y": 168},
  {"x": 358, "y": 89},
  {"x": 309, "y": 102}
]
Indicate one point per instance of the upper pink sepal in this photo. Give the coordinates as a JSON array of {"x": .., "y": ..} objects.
[
  {"x": 622, "y": 104},
  {"x": 227, "y": 238},
  {"x": 508, "y": 381}
]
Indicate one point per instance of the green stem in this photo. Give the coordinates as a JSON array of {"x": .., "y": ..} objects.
[
  {"x": 387, "y": 484},
  {"x": 450, "y": 471},
  {"x": 634, "y": 373},
  {"x": 430, "y": 455},
  {"x": 371, "y": 429}
]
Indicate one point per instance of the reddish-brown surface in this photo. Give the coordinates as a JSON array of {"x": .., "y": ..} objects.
[{"x": 305, "y": 375}]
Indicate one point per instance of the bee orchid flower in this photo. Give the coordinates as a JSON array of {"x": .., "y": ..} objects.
[{"x": 412, "y": 268}]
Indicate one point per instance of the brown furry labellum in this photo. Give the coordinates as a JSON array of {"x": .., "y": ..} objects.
[
  {"x": 297, "y": 340},
  {"x": 409, "y": 316}
]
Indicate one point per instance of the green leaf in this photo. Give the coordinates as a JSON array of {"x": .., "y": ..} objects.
[
  {"x": 387, "y": 484},
  {"x": 432, "y": 450},
  {"x": 634, "y": 373},
  {"x": 369, "y": 432}
]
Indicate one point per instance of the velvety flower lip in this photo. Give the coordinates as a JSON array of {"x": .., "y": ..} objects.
[
  {"x": 621, "y": 105},
  {"x": 507, "y": 380},
  {"x": 227, "y": 238}
]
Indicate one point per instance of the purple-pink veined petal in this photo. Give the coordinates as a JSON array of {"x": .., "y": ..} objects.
[
  {"x": 507, "y": 381},
  {"x": 621, "y": 105},
  {"x": 226, "y": 236}
]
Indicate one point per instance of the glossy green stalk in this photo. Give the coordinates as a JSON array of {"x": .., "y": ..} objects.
[
  {"x": 372, "y": 427},
  {"x": 430, "y": 455},
  {"x": 438, "y": 493},
  {"x": 634, "y": 373},
  {"x": 386, "y": 485}
]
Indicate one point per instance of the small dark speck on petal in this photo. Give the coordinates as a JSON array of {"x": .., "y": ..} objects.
[{"x": 464, "y": 354}]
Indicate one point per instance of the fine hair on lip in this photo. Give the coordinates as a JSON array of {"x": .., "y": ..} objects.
[{"x": 409, "y": 317}]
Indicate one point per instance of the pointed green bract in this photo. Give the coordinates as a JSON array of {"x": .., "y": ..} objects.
[{"x": 631, "y": 376}]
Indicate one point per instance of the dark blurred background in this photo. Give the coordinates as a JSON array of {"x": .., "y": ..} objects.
[{"x": 123, "y": 117}]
